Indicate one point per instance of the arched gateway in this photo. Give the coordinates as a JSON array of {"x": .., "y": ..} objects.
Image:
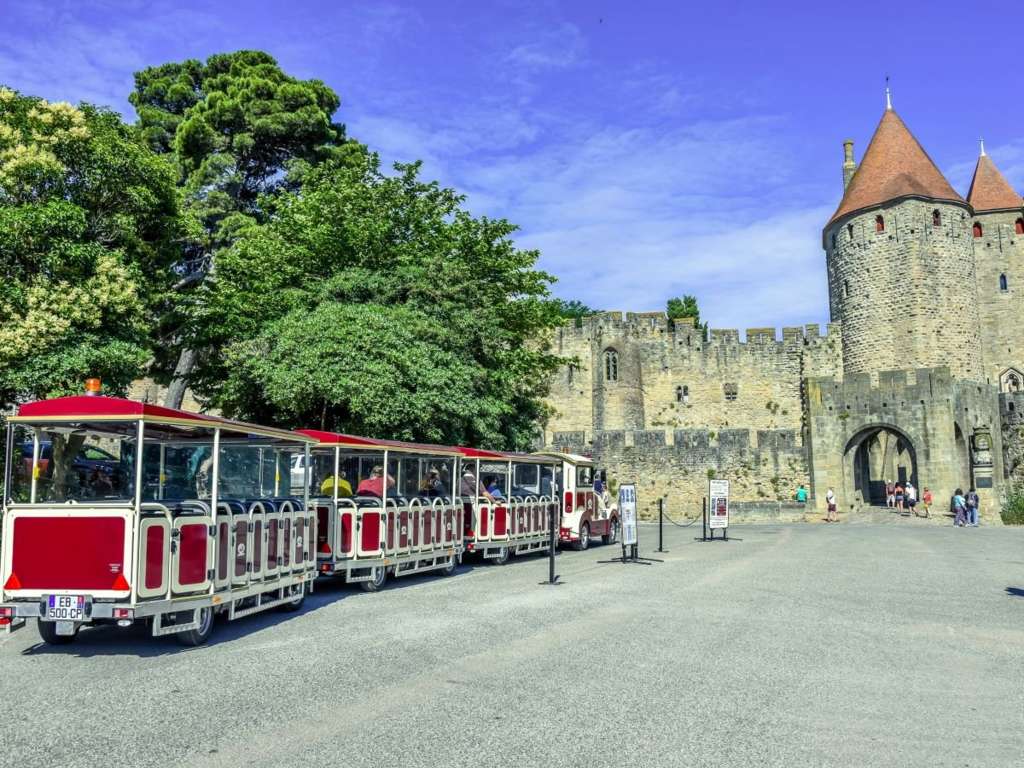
[{"x": 875, "y": 454}]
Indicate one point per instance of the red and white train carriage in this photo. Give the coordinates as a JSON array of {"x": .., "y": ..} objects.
[
  {"x": 196, "y": 517},
  {"x": 517, "y": 518},
  {"x": 384, "y": 508},
  {"x": 586, "y": 512},
  {"x": 117, "y": 512}
]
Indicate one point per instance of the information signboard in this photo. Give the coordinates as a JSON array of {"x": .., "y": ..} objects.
[
  {"x": 627, "y": 513},
  {"x": 718, "y": 509}
]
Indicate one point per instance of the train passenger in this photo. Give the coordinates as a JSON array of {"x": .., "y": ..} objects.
[
  {"x": 470, "y": 487},
  {"x": 374, "y": 484},
  {"x": 344, "y": 487},
  {"x": 432, "y": 485},
  {"x": 493, "y": 488}
]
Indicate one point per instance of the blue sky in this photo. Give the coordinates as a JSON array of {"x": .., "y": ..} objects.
[{"x": 648, "y": 149}]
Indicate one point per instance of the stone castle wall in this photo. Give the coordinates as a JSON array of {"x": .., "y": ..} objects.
[
  {"x": 672, "y": 376},
  {"x": 906, "y": 296},
  {"x": 1000, "y": 251},
  {"x": 762, "y": 466},
  {"x": 936, "y": 414}
]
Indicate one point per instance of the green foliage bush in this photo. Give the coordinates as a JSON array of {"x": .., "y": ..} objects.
[{"x": 1013, "y": 508}]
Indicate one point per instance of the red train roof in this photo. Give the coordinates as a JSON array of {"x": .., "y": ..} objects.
[
  {"x": 344, "y": 440},
  {"x": 103, "y": 408}
]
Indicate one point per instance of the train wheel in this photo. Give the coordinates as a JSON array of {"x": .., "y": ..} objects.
[
  {"x": 584, "y": 540},
  {"x": 503, "y": 556},
  {"x": 48, "y": 632},
  {"x": 297, "y": 600},
  {"x": 449, "y": 569},
  {"x": 201, "y": 634},
  {"x": 375, "y": 584},
  {"x": 612, "y": 536}
]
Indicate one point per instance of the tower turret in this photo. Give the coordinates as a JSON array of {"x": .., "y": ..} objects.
[
  {"x": 849, "y": 166},
  {"x": 900, "y": 263},
  {"x": 997, "y": 237}
]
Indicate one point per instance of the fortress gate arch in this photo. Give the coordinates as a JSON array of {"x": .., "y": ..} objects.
[{"x": 877, "y": 453}]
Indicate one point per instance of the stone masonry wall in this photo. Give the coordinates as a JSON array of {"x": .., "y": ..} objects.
[
  {"x": 906, "y": 297},
  {"x": 1000, "y": 251},
  {"x": 672, "y": 376},
  {"x": 765, "y": 466}
]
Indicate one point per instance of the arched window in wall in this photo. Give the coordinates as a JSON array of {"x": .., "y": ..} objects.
[
  {"x": 683, "y": 394},
  {"x": 849, "y": 230},
  {"x": 611, "y": 365},
  {"x": 879, "y": 223},
  {"x": 1004, "y": 284},
  {"x": 1018, "y": 226},
  {"x": 936, "y": 218},
  {"x": 1011, "y": 381},
  {"x": 978, "y": 232}
]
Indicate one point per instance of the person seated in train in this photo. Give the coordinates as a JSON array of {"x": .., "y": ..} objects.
[
  {"x": 374, "y": 484},
  {"x": 341, "y": 480},
  {"x": 471, "y": 488},
  {"x": 493, "y": 488},
  {"x": 432, "y": 485}
]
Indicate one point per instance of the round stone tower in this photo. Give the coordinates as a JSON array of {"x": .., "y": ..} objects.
[{"x": 901, "y": 271}]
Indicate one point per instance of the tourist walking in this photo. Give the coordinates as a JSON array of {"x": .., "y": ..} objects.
[
  {"x": 926, "y": 501},
  {"x": 973, "y": 502},
  {"x": 959, "y": 508},
  {"x": 910, "y": 496},
  {"x": 801, "y": 495},
  {"x": 830, "y": 500},
  {"x": 899, "y": 498},
  {"x": 890, "y": 494}
]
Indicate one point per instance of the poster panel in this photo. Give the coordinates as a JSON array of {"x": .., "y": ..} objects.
[
  {"x": 627, "y": 513},
  {"x": 718, "y": 509}
]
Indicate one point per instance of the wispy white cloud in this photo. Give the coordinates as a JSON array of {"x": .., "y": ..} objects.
[{"x": 555, "y": 47}]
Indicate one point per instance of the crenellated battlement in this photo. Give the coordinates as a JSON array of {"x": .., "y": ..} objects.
[{"x": 652, "y": 325}]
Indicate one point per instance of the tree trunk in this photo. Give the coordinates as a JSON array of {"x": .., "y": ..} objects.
[{"x": 179, "y": 382}]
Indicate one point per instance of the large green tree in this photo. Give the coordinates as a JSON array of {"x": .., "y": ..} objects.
[
  {"x": 375, "y": 302},
  {"x": 239, "y": 129},
  {"x": 89, "y": 228}
]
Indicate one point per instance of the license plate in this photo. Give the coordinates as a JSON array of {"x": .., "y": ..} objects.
[{"x": 65, "y": 608}]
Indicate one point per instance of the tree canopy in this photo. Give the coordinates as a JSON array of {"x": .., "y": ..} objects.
[
  {"x": 89, "y": 228},
  {"x": 334, "y": 293},
  {"x": 381, "y": 305},
  {"x": 685, "y": 307}
]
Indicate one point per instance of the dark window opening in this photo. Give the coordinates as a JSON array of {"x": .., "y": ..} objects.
[
  {"x": 936, "y": 219},
  {"x": 1004, "y": 284},
  {"x": 849, "y": 230},
  {"x": 1018, "y": 226},
  {"x": 879, "y": 224},
  {"x": 611, "y": 365},
  {"x": 977, "y": 229}
]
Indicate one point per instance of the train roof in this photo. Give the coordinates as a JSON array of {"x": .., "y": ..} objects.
[
  {"x": 101, "y": 408},
  {"x": 342, "y": 440},
  {"x": 572, "y": 458}
]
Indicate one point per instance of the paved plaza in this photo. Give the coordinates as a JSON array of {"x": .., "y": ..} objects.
[{"x": 791, "y": 645}]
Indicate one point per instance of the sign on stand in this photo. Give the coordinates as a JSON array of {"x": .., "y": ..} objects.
[
  {"x": 718, "y": 508},
  {"x": 627, "y": 514}
]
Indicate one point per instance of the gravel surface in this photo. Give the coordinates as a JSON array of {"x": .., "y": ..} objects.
[{"x": 792, "y": 645}]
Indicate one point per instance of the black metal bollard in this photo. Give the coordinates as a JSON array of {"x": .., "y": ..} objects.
[{"x": 661, "y": 522}]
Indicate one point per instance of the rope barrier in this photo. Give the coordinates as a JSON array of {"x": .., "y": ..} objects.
[{"x": 680, "y": 525}]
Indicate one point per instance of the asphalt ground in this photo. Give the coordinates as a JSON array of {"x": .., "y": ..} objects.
[{"x": 790, "y": 645}]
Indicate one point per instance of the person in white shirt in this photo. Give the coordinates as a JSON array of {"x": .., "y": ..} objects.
[
  {"x": 830, "y": 500},
  {"x": 910, "y": 494}
]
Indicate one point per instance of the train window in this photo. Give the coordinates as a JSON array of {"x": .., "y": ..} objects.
[
  {"x": 584, "y": 477},
  {"x": 526, "y": 476}
]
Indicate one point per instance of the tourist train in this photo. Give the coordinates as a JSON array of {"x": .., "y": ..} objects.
[{"x": 117, "y": 511}]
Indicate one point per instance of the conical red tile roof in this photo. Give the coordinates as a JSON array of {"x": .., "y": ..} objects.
[
  {"x": 894, "y": 165},
  {"x": 990, "y": 191}
]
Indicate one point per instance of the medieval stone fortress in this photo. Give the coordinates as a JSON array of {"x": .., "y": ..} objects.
[{"x": 917, "y": 377}]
